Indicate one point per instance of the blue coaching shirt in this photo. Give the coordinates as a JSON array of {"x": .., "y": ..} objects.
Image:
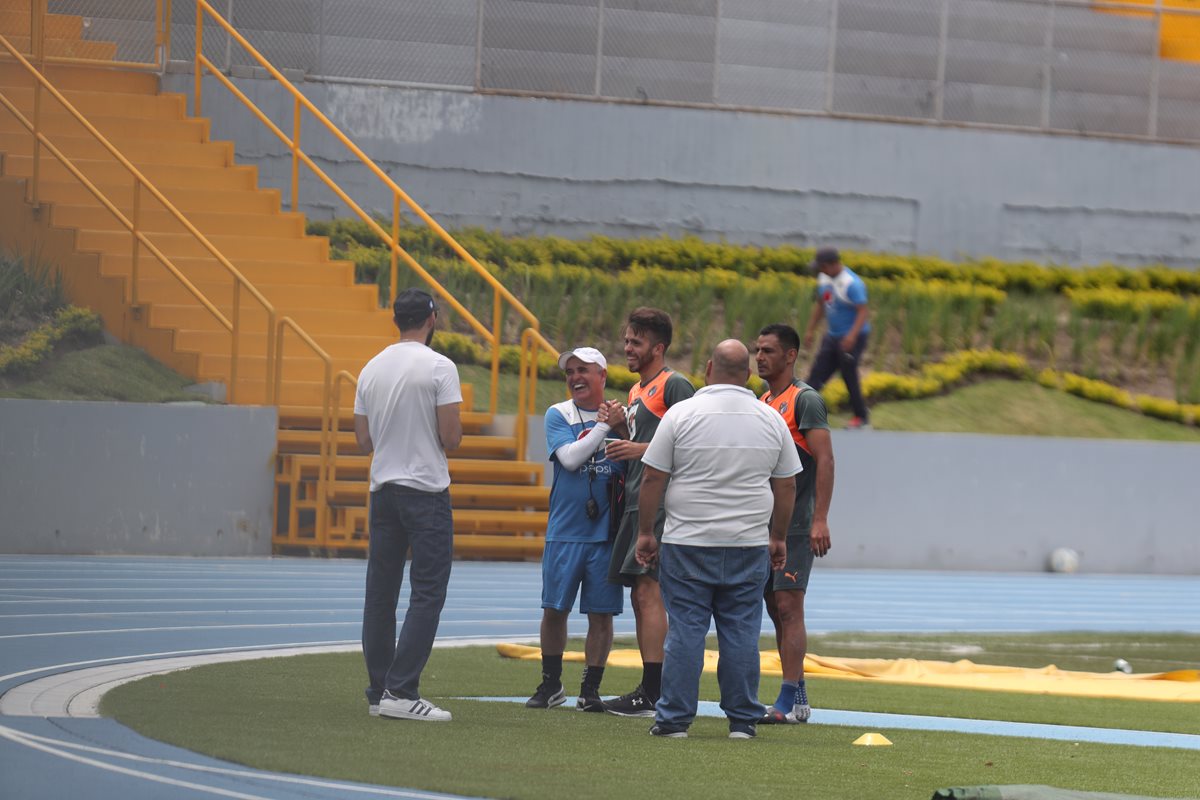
[
  {"x": 842, "y": 295},
  {"x": 570, "y": 490}
]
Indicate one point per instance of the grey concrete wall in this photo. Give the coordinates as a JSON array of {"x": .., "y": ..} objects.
[
  {"x": 573, "y": 168},
  {"x": 1004, "y": 503},
  {"x": 131, "y": 478},
  {"x": 960, "y": 501}
]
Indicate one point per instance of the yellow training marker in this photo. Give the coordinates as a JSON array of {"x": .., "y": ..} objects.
[{"x": 873, "y": 740}]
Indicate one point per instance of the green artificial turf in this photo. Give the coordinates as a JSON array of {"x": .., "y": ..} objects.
[{"x": 307, "y": 715}]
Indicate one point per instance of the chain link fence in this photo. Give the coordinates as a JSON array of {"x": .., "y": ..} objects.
[{"x": 1127, "y": 68}]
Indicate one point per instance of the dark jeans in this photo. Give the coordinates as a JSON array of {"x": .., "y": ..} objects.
[
  {"x": 830, "y": 359},
  {"x": 402, "y": 518}
]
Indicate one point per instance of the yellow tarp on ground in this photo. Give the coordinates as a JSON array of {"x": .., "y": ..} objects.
[{"x": 1178, "y": 686}]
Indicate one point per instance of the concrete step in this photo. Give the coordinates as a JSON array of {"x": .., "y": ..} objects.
[
  {"x": 109, "y": 172},
  {"x": 139, "y": 151},
  {"x": 207, "y": 270},
  {"x": 97, "y": 78},
  {"x": 311, "y": 248},
  {"x": 1000, "y": 105},
  {"x": 118, "y": 127},
  {"x": 306, "y": 441},
  {"x": 462, "y": 495},
  {"x": 349, "y": 348},
  {"x": 462, "y": 470},
  {"x": 69, "y": 48},
  {"x": 309, "y": 417},
  {"x": 187, "y": 200},
  {"x": 91, "y": 103},
  {"x": 18, "y": 22},
  {"x": 286, "y": 298},
  {"x": 154, "y": 219}
]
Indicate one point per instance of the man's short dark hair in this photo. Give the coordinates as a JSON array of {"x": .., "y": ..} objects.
[
  {"x": 786, "y": 334},
  {"x": 412, "y": 307},
  {"x": 653, "y": 323}
]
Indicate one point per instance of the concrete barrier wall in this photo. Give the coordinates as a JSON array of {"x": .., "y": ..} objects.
[
  {"x": 131, "y": 478},
  {"x": 574, "y": 168},
  {"x": 1003, "y": 503}
]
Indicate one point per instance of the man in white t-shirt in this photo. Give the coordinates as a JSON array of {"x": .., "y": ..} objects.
[
  {"x": 732, "y": 467},
  {"x": 406, "y": 411}
]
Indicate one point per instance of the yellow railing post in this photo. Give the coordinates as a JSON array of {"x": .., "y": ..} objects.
[
  {"x": 137, "y": 242},
  {"x": 296, "y": 159},
  {"x": 497, "y": 337},
  {"x": 37, "y": 33},
  {"x": 272, "y": 360},
  {"x": 199, "y": 55},
  {"x": 395, "y": 273},
  {"x": 167, "y": 21},
  {"x": 234, "y": 348}
]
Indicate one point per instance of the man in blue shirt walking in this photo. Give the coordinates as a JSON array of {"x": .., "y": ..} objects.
[
  {"x": 578, "y": 549},
  {"x": 842, "y": 301}
]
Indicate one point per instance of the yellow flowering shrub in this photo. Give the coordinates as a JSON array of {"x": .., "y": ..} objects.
[{"x": 69, "y": 322}]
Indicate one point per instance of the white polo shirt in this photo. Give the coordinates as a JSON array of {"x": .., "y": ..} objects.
[
  {"x": 399, "y": 391},
  {"x": 721, "y": 447}
]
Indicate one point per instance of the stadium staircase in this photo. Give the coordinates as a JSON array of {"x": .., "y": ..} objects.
[{"x": 294, "y": 300}]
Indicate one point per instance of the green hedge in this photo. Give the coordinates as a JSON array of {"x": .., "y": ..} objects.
[{"x": 69, "y": 323}]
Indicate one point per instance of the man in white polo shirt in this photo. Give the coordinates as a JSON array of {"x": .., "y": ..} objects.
[
  {"x": 732, "y": 467},
  {"x": 406, "y": 410}
]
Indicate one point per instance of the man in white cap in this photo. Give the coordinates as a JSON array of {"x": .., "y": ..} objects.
[{"x": 578, "y": 548}]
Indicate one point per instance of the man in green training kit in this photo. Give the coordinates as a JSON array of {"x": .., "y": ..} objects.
[
  {"x": 808, "y": 535},
  {"x": 647, "y": 337}
]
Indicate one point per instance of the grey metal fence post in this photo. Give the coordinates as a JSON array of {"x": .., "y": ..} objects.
[
  {"x": 939, "y": 100},
  {"x": 479, "y": 46},
  {"x": 228, "y": 38},
  {"x": 1156, "y": 59},
  {"x": 829, "y": 67},
  {"x": 1048, "y": 64},
  {"x": 716, "y": 70},
  {"x": 599, "y": 47}
]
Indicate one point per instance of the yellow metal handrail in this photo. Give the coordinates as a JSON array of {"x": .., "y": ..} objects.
[
  {"x": 327, "y": 448},
  {"x": 140, "y": 239},
  {"x": 501, "y": 294}
]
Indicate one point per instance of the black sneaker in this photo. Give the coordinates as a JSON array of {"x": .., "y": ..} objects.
[
  {"x": 589, "y": 700},
  {"x": 742, "y": 730},
  {"x": 668, "y": 731},
  {"x": 634, "y": 704},
  {"x": 548, "y": 695}
]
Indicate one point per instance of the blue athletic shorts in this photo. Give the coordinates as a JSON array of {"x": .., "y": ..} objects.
[{"x": 568, "y": 565}]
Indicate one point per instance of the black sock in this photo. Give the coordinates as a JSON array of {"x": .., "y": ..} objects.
[
  {"x": 592, "y": 677},
  {"x": 552, "y": 668},
  {"x": 652, "y": 680}
]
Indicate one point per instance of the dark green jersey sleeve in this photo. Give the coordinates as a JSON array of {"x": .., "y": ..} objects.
[
  {"x": 677, "y": 388},
  {"x": 810, "y": 411}
]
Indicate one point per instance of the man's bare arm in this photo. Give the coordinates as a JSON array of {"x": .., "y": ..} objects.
[
  {"x": 449, "y": 422},
  {"x": 362, "y": 434},
  {"x": 821, "y": 443}
]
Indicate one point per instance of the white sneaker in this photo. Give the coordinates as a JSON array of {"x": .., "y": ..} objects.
[
  {"x": 373, "y": 709},
  {"x": 422, "y": 710},
  {"x": 800, "y": 713}
]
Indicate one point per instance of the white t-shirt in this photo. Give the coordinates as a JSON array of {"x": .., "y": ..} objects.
[
  {"x": 721, "y": 447},
  {"x": 399, "y": 391}
]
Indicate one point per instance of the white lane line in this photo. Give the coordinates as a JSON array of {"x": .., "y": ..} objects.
[
  {"x": 325, "y": 609},
  {"x": 260, "y": 626},
  {"x": 53, "y": 746},
  {"x": 164, "y": 654},
  {"x": 17, "y": 737}
]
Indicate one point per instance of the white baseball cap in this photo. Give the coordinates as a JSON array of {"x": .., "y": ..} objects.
[{"x": 588, "y": 355}]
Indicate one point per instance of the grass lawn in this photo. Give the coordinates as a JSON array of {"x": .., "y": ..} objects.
[
  {"x": 1021, "y": 408},
  {"x": 306, "y": 715},
  {"x": 105, "y": 372}
]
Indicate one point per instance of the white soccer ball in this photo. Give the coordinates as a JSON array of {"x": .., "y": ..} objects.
[
  {"x": 1063, "y": 559},
  {"x": 1121, "y": 665}
]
